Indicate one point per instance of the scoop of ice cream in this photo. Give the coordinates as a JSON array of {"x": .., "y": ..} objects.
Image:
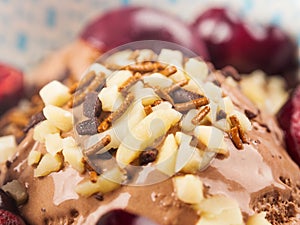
[{"x": 168, "y": 107}]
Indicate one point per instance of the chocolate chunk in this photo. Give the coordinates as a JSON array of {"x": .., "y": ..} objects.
[
  {"x": 182, "y": 95},
  {"x": 92, "y": 105},
  {"x": 34, "y": 120},
  {"x": 148, "y": 156},
  {"x": 230, "y": 71},
  {"x": 250, "y": 114},
  {"x": 221, "y": 114},
  {"x": 88, "y": 127}
]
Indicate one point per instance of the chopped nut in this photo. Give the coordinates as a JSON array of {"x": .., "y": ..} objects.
[
  {"x": 148, "y": 156},
  {"x": 98, "y": 146},
  {"x": 201, "y": 114},
  {"x": 145, "y": 67},
  {"x": 105, "y": 124},
  {"x": 235, "y": 122},
  {"x": 148, "y": 109},
  {"x": 131, "y": 81},
  {"x": 73, "y": 87},
  {"x": 93, "y": 176},
  {"x": 196, "y": 103},
  {"x": 169, "y": 70},
  {"x": 234, "y": 136}
]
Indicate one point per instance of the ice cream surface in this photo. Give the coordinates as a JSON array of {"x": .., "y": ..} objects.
[{"x": 218, "y": 159}]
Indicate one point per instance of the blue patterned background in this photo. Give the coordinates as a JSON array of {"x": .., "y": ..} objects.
[{"x": 30, "y": 29}]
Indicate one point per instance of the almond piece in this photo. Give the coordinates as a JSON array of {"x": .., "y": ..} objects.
[
  {"x": 55, "y": 93},
  {"x": 166, "y": 159},
  {"x": 42, "y": 129},
  {"x": 48, "y": 164},
  {"x": 8, "y": 147},
  {"x": 188, "y": 188},
  {"x": 34, "y": 157},
  {"x": 59, "y": 117}
]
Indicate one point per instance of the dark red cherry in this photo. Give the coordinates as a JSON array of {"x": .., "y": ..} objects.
[
  {"x": 124, "y": 25},
  {"x": 11, "y": 87},
  {"x": 289, "y": 120},
  {"x": 119, "y": 216},
  {"x": 9, "y": 218},
  {"x": 246, "y": 46}
]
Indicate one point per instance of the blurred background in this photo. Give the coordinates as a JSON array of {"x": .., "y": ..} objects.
[{"x": 31, "y": 29}]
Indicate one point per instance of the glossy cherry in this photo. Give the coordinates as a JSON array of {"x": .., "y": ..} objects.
[
  {"x": 8, "y": 211},
  {"x": 289, "y": 120},
  {"x": 124, "y": 25},
  {"x": 11, "y": 87},
  {"x": 247, "y": 47},
  {"x": 119, "y": 216}
]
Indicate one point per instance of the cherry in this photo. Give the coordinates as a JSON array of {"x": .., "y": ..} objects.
[
  {"x": 289, "y": 120},
  {"x": 8, "y": 218},
  {"x": 8, "y": 210},
  {"x": 129, "y": 24},
  {"x": 11, "y": 87},
  {"x": 119, "y": 216},
  {"x": 247, "y": 47}
]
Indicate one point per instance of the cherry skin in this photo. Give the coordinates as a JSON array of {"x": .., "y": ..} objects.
[
  {"x": 119, "y": 216},
  {"x": 11, "y": 87},
  {"x": 247, "y": 47},
  {"x": 124, "y": 25},
  {"x": 289, "y": 120}
]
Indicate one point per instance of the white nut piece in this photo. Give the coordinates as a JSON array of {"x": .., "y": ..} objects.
[
  {"x": 42, "y": 129},
  {"x": 55, "y": 93},
  {"x": 188, "y": 188},
  {"x": 212, "y": 138},
  {"x": 34, "y": 157},
  {"x": 172, "y": 57},
  {"x": 8, "y": 147},
  {"x": 166, "y": 158},
  {"x": 110, "y": 98},
  {"x": 59, "y": 117},
  {"x": 219, "y": 210},
  {"x": 196, "y": 69},
  {"x": 118, "y": 78},
  {"x": 74, "y": 157},
  {"x": 48, "y": 164},
  {"x": 157, "y": 80},
  {"x": 107, "y": 182},
  {"x": 53, "y": 143},
  {"x": 144, "y": 133},
  {"x": 258, "y": 219}
]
